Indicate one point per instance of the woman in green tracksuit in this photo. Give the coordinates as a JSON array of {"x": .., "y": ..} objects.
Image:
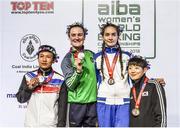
[{"x": 80, "y": 76}]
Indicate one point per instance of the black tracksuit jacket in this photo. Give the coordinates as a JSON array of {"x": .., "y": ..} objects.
[{"x": 152, "y": 105}]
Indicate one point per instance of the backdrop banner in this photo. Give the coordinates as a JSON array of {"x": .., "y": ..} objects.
[{"x": 150, "y": 28}]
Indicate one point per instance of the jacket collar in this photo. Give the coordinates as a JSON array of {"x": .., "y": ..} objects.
[
  {"x": 138, "y": 83},
  {"x": 73, "y": 50},
  {"x": 111, "y": 49},
  {"x": 45, "y": 72}
]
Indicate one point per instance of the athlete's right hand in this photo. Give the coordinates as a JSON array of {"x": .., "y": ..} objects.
[
  {"x": 78, "y": 65},
  {"x": 33, "y": 82}
]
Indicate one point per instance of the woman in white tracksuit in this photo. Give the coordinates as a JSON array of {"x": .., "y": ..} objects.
[
  {"x": 113, "y": 88},
  {"x": 45, "y": 92}
]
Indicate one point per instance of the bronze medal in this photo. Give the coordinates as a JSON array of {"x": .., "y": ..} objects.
[
  {"x": 137, "y": 100},
  {"x": 111, "y": 81},
  {"x": 135, "y": 112},
  {"x": 111, "y": 68}
]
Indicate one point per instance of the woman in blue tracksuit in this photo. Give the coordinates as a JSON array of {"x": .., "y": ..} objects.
[{"x": 113, "y": 88}]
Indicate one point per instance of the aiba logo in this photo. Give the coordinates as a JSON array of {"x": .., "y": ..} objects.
[{"x": 29, "y": 47}]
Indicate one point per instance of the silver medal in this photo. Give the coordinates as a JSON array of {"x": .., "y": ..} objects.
[
  {"x": 81, "y": 55},
  {"x": 41, "y": 79}
]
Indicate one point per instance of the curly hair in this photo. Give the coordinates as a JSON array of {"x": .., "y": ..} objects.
[{"x": 76, "y": 24}]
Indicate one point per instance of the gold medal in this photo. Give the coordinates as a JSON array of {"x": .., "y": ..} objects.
[
  {"x": 111, "y": 81},
  {"x": 135, "y": 112}
]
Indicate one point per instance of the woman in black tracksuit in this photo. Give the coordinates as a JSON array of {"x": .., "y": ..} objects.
[{"x": 148, "y": 100}]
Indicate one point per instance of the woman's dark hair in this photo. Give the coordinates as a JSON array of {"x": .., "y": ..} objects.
[
  {"x": 104, "y": 26},
  {"x": 118, "y": 30},
  {"x": 138, "y": 61}
]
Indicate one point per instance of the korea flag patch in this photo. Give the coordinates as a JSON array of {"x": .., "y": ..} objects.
[{"x": 145, "y": 93}]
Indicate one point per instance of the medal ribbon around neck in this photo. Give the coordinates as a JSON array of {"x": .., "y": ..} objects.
[
  {"x": 111, "y": 68},
  {"x": 138, "y": 100},
  {"x": 49, "y": 78}
]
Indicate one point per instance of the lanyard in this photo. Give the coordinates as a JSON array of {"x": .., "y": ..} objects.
[
  {"x": 111, "y": 68},
  {"x": 138, "y": 100},
  {"x": 49, "y": 78}
]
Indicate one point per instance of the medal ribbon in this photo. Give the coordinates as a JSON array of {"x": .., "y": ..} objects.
[
  {"x": 111, "y": 68},
  {"x": 138, "y": 100},
  {"x": 45, "y": 88},
  {"x": 75, "y": 52},
  {"x": 76, "y": 55},
  {"x": 49, "y": 78}
]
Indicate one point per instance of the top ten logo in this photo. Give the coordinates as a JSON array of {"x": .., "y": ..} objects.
[{"x": 26, "y": 7}]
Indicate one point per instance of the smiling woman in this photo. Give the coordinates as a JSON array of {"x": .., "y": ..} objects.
[
  {"x": 113, "y": 88},
  {"x": 137, "y": 67},
  {"x": 148, "y": 102},
  {"x": 150, "y": 28},
  {"x": 80, "y": 76}
]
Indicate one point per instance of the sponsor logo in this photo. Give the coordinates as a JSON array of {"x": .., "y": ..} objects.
[
  {"x": 128, "y": 15},
  {"x": 131, "y": 16},
  {"x": 10, "y": 95},
  {"x": 32, "y": 7},
  {"x": 29, "y": 47}
]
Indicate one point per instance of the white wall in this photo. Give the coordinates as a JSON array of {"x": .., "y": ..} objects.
[{"x": 166, "y": 62}]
